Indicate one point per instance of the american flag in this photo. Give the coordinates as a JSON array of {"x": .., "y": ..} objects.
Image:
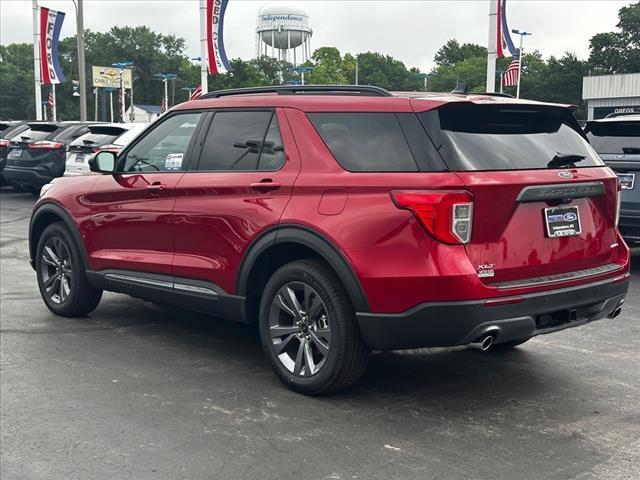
[
  {"x": 196, "y": 93},
  {"x": 510, "y": 76},
  {"x": 163, "y": 105},
  {"x": 51, "y": 101}
]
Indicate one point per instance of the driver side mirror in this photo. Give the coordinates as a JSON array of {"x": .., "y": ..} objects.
[{"x": 103, "y": 162}]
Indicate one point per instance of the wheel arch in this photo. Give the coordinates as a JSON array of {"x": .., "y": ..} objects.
[
  {"x": 282, "y": 245},
  {"x": 45, "y": 215}
]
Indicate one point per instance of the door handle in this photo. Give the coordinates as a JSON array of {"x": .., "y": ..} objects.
[
  {"x": 156, "y": 187},
  {"x": 265, "y": 185}
]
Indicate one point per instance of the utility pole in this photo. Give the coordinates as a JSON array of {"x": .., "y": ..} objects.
[
  {"x": 82, "y": 77},
  {"x": 357, "y": 67},
  {"x": 521, "y": 57},
  {"x": 36, "y": 59}
]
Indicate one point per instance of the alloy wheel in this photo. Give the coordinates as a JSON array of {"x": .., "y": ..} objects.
[
  {"x": 299, "y": 329},
  {"x": 56, "y": 270}
]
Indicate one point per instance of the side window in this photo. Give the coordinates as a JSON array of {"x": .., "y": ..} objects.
[
  {"x": 235, "y": 140},
  {"x": 164, "y": 148},
  {"x": 365, "y": 142},
  {"x": 272, "y": 157}
]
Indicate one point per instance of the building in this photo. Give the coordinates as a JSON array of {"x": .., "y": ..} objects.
[
  {"x": 607, "y": 94},
  {"x": 143, "y": 113}
]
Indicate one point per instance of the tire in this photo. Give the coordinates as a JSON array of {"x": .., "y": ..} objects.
[
  {"x": 509, "y": 345},
  {"x": 16, "y": 186},
  {"x": 327, "y": 342},
  {"x": 57, "y": 255}
]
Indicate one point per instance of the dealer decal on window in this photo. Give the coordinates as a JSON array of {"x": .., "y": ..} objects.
[{"x": 173, "y": 161}]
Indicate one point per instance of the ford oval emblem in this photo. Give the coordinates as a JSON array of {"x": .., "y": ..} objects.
[
  {"x": 564, "y": 174},
  {"x": 570, "y": 217}
]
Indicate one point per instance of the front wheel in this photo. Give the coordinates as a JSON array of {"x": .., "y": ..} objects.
[
  {"x": 309, "y": 331},
  {"x": 61, "y": 278}
]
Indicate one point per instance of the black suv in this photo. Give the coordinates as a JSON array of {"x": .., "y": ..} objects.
[
  {"x": 38, "y": 155},
  {"x": 617, "y": 141}
]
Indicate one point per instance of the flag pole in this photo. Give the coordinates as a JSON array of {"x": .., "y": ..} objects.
[
  {"x": 492, "y": 50},
  {"x": 54, "y": 107},
  {"x": 204, "y": 78},
  {"x": 36, "y": 59},
  {"x": 520, "y": 57}
]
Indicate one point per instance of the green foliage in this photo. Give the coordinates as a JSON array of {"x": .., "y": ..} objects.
[
  {"x": 618, "y": 52},
  {"x": 452, "y": 53}
]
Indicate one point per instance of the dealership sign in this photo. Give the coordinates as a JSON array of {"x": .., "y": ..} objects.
[
  {"x": 602, "y": 112},
  {"x": 50, "y": 25},
  {"x": 110, "y": 77}
]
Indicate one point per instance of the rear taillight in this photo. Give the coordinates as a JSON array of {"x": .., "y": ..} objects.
[
  {"x": 44, "y": 144},
  {"x": 618, "y": 199},
  {"x": 4, "y": 143},
  {"x": 447, "y": 216}
]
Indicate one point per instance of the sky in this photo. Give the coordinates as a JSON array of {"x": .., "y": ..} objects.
[{"x": 411, "y": 31}]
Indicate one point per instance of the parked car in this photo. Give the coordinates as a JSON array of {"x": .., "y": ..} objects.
[
  {"x": 38, "y": 154},
  {"x": 617, "y": 141},
  {"x": 7, "y": 131},
  {"x": 342, "y": 220},
  {"x": 103, "y": 136}
]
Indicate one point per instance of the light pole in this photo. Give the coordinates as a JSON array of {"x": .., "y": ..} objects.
[
  {"x": 425, "y": 76},
  {"x": 189, "y": 91},
  {"x": 500, "y": 74},
  {"x": 357, "y": 67},
  {"x": 81, "y": 68},
  {"x": 165, "y": 77},
  {"x": 121, "y": 67},
  {"x": 520, "y": 54},
  {"x": 301, "y": 71}
]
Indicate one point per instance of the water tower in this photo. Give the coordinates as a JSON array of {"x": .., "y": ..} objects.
[{"x": 283, "y": 32}]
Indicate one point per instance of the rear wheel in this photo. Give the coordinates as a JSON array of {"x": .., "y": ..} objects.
[
  {"x": 61, "y": 278},
  {"x": 309, "y": 331}
]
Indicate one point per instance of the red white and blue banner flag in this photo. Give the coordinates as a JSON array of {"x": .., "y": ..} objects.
[
  {"x": 197, "y": 93},
  {"x": 506, "y": 48},
  {"x": 218, "y": 62},
  {"x": 50, "y": 25}
]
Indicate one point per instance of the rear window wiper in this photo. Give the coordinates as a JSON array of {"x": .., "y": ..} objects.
[{"x": 562, "y": 160}]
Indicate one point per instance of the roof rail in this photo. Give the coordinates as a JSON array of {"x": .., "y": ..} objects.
[
  {"x": 492, "y": 94},
  {"x": 351, "y": 90}
]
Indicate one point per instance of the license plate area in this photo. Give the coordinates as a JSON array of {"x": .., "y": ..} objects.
[
  {"x": 16, "y": 153},
  {"x": 79, "y": 157},
  {"x": 562, "y": 221},
  {"x": 627, "y": 180}
]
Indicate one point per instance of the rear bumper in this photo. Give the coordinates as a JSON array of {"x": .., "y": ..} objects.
[
  {"x": 27, "y": 176},
  {"x": 445, "y": 324}
]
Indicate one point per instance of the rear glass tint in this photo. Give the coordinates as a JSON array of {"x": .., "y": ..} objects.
[
  {"x": 365, "y": 142},
  {"x": 94, "y": 139},
  {"x": 70, "y": 133},
  {"x": 614, "y": 137},
  {"x": 30, "y": 135},
  {"x": 512, "y": 137}
]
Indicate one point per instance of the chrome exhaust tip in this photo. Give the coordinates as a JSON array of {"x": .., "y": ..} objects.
[
  {"x": 615, "y": 313},
  {"x": 483, "y": 343}
]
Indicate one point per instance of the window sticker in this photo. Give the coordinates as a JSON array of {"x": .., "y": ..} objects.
[{"x": 173, "y": 161}]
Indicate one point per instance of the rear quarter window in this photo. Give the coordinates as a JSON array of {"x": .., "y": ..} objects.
[
  {"x": 505, "y": 137},
  {"x": 365, "y": 142}
]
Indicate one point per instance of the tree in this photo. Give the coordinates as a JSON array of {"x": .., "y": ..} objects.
[
  {"x": 452, "y": 53},
  {"x": 618, "y": 52}
]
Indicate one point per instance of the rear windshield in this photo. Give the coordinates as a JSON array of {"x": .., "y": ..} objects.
[
  {"x": 129, "y": 135},
  {"x": 505, "y": 137},
  {"x": 69, "y": 134},
  {"x": 13, "y": 131},
  {"x": 614, "y": 137},
  {"x": 31, "y": 134},
  {"x": 96, "y": 139},
  {"x": 365, "y": 142}
]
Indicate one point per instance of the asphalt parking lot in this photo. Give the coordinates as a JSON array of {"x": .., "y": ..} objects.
[{"x": 137, "y": 391}]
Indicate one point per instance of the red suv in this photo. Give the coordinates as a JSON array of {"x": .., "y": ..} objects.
[{"x": 345, "y": 219}]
